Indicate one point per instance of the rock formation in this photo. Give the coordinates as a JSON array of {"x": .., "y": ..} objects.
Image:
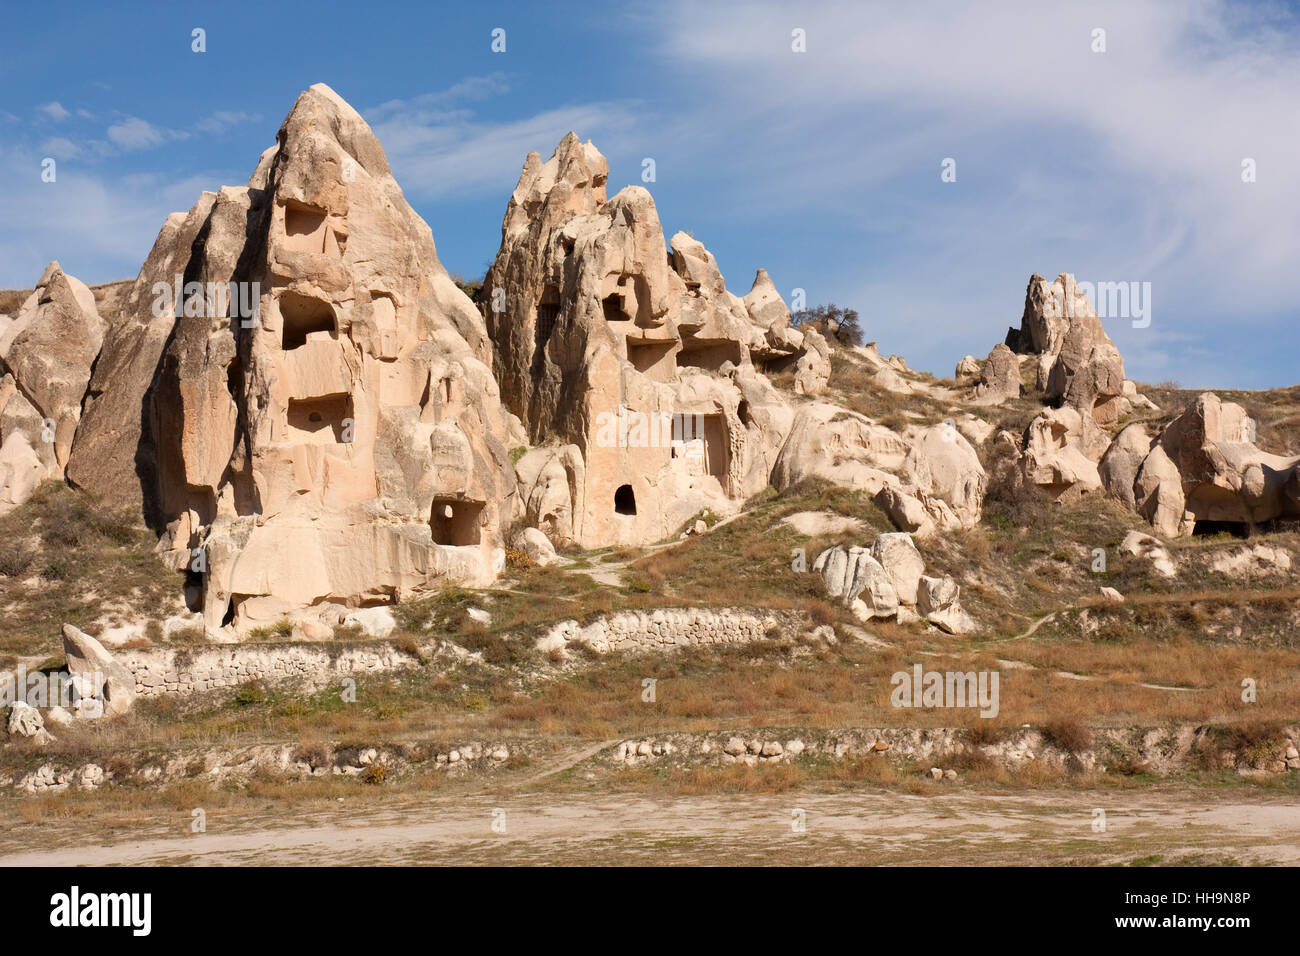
[
  {"x": 1078, "y": 364},
  {"x": 46, "y": 353},
  {"x": 321, "y": 425},
  {"x": 631, "y": 361},
  {"x": 102, "y": 685},
  {"x": 1205, "y": 466},
  {"x": 888, "y": 580}
]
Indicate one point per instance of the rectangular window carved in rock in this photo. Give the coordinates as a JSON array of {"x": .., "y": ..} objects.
[{"x": 455, "y": 521}]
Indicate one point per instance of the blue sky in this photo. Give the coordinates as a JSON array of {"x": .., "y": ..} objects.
[{"x": 823, "y": 166}]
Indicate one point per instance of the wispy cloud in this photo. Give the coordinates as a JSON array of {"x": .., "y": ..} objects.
[
  {"x": 54, "y": 111},
  {"x": 223, "y": 120},
  {"x": 134, "y": 133},
  {"x": 439, "y": 146},
  {"x": 1122, "y": 165}
]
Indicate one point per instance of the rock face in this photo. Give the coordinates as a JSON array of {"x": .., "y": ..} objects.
[
  {"x": 1139, "y": 545},
  {"x": 999, "y": 376},
  {"x": 321, "y": 419},
  {"x": 639, "y": 363},
  {"x": 1062, "y": 448},
  {"x": 1118, "y": 468},
  {"x": 1204, "y": 466},
  {"x": 1078, "y": 364},
  {"x": 46, "y": 354}
]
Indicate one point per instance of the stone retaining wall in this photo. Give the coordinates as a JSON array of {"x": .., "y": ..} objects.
[
  {"x": 667, "y": 627},
  {"x": 186, "y": 670}
]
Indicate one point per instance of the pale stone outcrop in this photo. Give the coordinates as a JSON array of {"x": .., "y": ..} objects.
[
  {"x": 643, "y": 364},
  {"x": 944, "y": 473},
  {"x": 102, "y": 684},
  {"x": 536, "y": 546},
  {"x": 321, "y": 420},
  {"x": 968, "y": 367},
  {"x": 1061, "y": 452},
  {"x": 999, "y": 376},
  {"x": 898, "y": 555},
  {"x": 888, "y": 580},
  {"x": 115, "y": 452},
  {"x": 1204, "y": 466},
  {"x": 938, "y": 600},
  {"x": 552, "y": 481},
  {"x": 1139, "y": 545},
  {"x": 1119, "y": 467},
  {"x": 1078, "y": 363},
  {"x": 25, "y": 720},
  {"x": 47, "y": 351},
  {"x": 839, "y": 446}
]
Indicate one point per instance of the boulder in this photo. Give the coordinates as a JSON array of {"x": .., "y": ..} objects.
[
  {"x": 943, "y": 471},
  {"x": 839, "y": 446},
  {"x": 373, "y": 621},
  {"x": 999, "y": 376},
  {"x": 1139, "y": 545},
  {"x": 938, "y": 601},
  {"x": 25, "y": 720},
  {"x": 968, "y": 367},
  {"x": 858, "y": 580},
  {"x": 536, "y": 546},
  {"x": 898, "y": 555},
  {"x": 97, "y": 675},
  {"x": 1062, "y": 448}
]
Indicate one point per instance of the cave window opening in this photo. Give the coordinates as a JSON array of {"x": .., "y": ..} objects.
[{"x": 624, "y": 500}]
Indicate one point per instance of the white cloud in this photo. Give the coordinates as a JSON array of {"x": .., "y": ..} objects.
[
  {"x": 54, "y": 111},
  {"x": 439, "y": 147},
  {"x": 223, "y": 120},
  {"x": 1123, "y": 165},
  {"x": 134, "y": 133}
]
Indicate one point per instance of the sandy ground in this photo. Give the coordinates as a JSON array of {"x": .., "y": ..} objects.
[{"x": 870, "y": 828}]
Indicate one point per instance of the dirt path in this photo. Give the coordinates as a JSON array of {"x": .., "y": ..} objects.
[{"x": 875, "y": 827}]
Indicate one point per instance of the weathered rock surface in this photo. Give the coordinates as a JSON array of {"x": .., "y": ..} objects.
[
  {"x": 47, "y": 351},
  {"x": 1120, "y": 464},
  {"x": 97, "y": 676},
  {"x": 888, "y": 580},
  {"x": 321, "y": 420},
  {"x": 1139, "y": 545},
  {"x": 643, "y": 365},
  {"x": 1078, "y": 363},
  {"x": 25, "y": 720},
  {"x": 1205, "y": 467},
  {"x": 1062, "y": 448},
  {"x": 999, "y": 376}
]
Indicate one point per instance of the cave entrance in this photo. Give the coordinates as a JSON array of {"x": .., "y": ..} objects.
[
  {"x": 301, "y": 316},
  {"x": 1238, "y": 529},
  {"x": 455, "y": 521},
  {"x": 624, "y": 500}
]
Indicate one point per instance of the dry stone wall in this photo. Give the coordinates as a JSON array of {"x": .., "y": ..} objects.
[
  {"x": 667, "y": 627},
  {"x": 182, "y": 671}
]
